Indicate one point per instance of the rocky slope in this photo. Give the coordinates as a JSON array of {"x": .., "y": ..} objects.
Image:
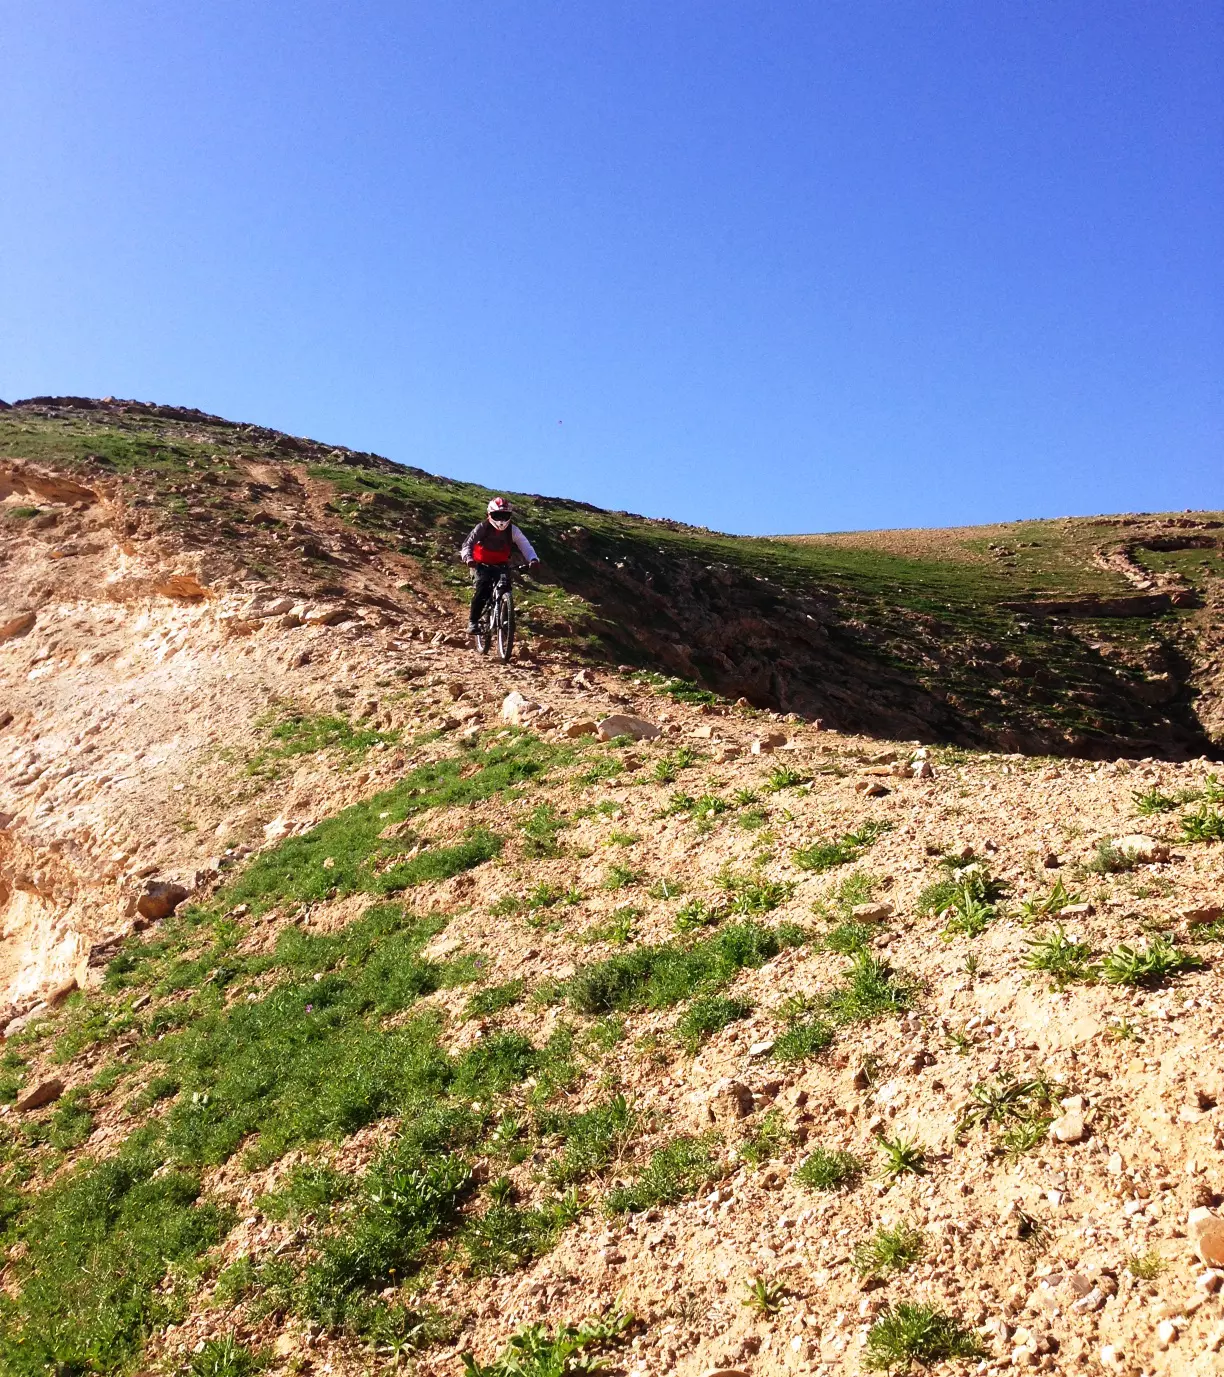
[{"x": 364, "y": 1007}]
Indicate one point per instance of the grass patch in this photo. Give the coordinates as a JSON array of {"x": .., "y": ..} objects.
[
  {"x": 674, "y": 1173},
  {"x": 697, "y": 914},
  {"x": 1020, "y": 1110},
  {"x": 302, "y": 733},
  {"x": 494, "y": 998},
  {"x": 825, "y": 855},
  {"x": 362, "y": 861},
  {"x": 537, "y": 1351},
  {"x": 619, "y": 877},
  {"x": 889, "y": 1250},
  {"x": 618, "y": 929},
  {"x": 749, "y": 894},
  {"x": 708, "y": 1015},
  {"x": 901, "y": 1158},
  {"x": 1049, "y": 905},
  {"x": 508, "y": 1236},
  {"x": 1148, "y": 965},
  {"x": 848, "y": 939},
  {"x": 656, "y": 977},
  {"x": 826, "y": 1170},
  {"x": 1060, "y": 957},
  {"x": 1203, "y": 824},
  {"x": 593, "y": 1140},
  {"x": 540, "y": 832},
  {"x": 767, "y": 1141},
  {"x": 910, "y": 1333}
]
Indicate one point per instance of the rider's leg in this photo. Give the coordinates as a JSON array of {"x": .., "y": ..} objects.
[{"x": 485, "y": 577}]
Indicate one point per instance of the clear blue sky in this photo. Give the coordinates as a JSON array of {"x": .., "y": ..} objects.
[{"x": 764, "y": 266}]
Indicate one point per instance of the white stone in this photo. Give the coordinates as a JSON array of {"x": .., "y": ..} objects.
[
  {"x": 621, "y": 724},
  {"x": 1142, "y": 848},
  {"x": 1069, "y": 1128}
]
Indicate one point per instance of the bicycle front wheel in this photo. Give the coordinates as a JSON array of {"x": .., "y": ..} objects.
[{"x": 505, "y": 626}]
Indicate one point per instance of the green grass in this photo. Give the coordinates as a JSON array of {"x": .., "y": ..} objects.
[
  {"x": 617, "y": 929},
  {"x": 299, "y": 733},
  {"x": 1203, "y": 824},
  {"x": 1020, "y": 1110},
  {"x": 708, "y": 1015},
  {"x": 593, "y": 1139},
  {"x": 224, "y": 1358},
  {"x": 364, "y": 862},
  {"x": 98, "y": 1246},
  {"x": 768, "y": 1140},
  {"x": 540, "y": 832},
  {"x": 901, "y": 1158},
  {"x": 828, "y": 1170},
  {"x": 494, "y": 999},
  {"x": 889, "y": 1250},
  {"x": 697, "y": 914},
  {"x": 509, "y": 1236},
  {"x": 619, "y": 877},
  {"x": 784, "y": 777},
  {"x": 674, "y": 1173},
  {"x": 537, "y": 1351},
  {"x": 749, "y": 894},
  {"x": 657, "y": 977},
  {"x": 1146, "y": 1266},
  {"x": 1048, "y": 905},
  {"x": 1063, "y": 959},
  {"x": 309, "y": 1189},
  {"x": 848, "y": 939},
  {"x": 765, "y": 1297},
  {"x": 825, "y": 855},
  {"x": 1110, "y": 859},
  {"x": 912, "y": 1333},
  {"x": 667, "y": 768},
  {"x": 1151, "y": 802},
  {"x": 1150, "y": 965}
]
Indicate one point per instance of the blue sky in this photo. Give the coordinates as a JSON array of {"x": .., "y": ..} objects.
[{"x": 762, "y": 266}]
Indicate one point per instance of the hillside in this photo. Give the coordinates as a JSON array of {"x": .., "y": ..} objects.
[{"x": 367, "y": 1008}]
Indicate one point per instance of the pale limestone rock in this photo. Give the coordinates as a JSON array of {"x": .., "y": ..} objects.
[
  {"x": 44, "y": 1093},
  {"x": 1205, "y": 1231},
  {"x": 1142, "y": 848},
  {"x": 621, "y": 724},
  {"x": 1068, "y": 1128}
]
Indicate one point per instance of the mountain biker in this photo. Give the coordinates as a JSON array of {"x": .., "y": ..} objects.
[{"x": 487, "y": 552}]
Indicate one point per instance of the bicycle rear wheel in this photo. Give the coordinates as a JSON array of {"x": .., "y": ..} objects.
[{"x": 505, "y": 625}]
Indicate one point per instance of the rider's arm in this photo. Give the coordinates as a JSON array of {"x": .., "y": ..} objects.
[
  {"x": 465, "y": 554},
  {"x": 523, "y": 545}
]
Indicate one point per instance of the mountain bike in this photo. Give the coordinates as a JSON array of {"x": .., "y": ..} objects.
[{"x": 497, "y": 620}]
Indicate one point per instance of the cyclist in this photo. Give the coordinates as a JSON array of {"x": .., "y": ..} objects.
[{"x": 487, "y": 552}]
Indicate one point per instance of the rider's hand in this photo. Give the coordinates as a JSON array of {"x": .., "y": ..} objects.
[{"x": 533, "y": 564}]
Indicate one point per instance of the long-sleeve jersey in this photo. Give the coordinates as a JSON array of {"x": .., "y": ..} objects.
[{"x": 487, "y": 545}]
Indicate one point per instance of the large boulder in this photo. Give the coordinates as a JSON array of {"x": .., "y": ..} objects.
[
  {"x": 160, "y": 899},
  {"x": 43, "y": 1093}
]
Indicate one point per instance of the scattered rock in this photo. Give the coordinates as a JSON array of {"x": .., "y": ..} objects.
[
  {"x": 160, "y": 899},
  {"x": 871, "y": 913},
  {"x": 17, "y": 626},
  {"x": 514, "y": 708},
  {"x": 727, "y": 755},
  {"x": 326, "y": 615},
  {"x": 1143, "y": 849},
  {"x": 1193, "y": 917},
  {"x": 585, "y": 727},
  {"x": 1068, "y": 1128},
  {"x": 44, "y": 1093},
  {"x": 764, "y": 745},
  {"x": 871, "y": 788},
  {"x": 1205, "y": 1231},
  {"x": 1051, "y": 861},
  {"x": 621, "y": 724},
  {"x": 62, "y": 991}
]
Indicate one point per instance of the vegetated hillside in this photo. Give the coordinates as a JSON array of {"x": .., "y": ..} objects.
[
  {"x": 360, "y": 1018},
  {"x": 1093, "y": 636}
]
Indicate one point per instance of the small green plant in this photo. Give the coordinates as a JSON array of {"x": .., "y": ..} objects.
[
  {"x": 1049, "y": 904},
  {"x": 618, "y": 929},
  {"x": 784, "y": 777},
  {"x": 501, "y": 1190},
  {"x": 848, "y": 939},
  {"x": 494, "y": 998},
  {"x": 826, "y": 1170},
  {"x": 674, "y": 1173},
  {"x": 623, "y": 838},
  {"x": 961, "y": 1040},
  {"x": 767, "y": 1141},
  {"x": 750, "y": 894},
  {"x": 1151, "y": 801},
  {"x": 889, "y": 1250},
  {"x": 697, "y": 914},
  {"x": 1022, "y": 1110},
  {"x": 666, "y": 888},
  {"x": 594, "y": 1139},
  {"x": 1122, "y": 1030},
  {"x": 666, "y": 769},
  {"x": 223, "y": 1358},
  {"x": 1062, "y": 958},
  {"x": 825, "y": 855},
  {"x": 744, "y": 798},
  {"x": 541, "y": 830},
  {"x": 971, "y": 964},
  {"x": 1111, "y": 859},
  {"x": 750, "y": 819},
  {"x": 706, "y": 1016},
  {"x": 537, "y": 1351},
  {"x": 910, "y": 1333},
  {"x": 765, "y": 1297},
  {"x": 1203, "y": 824},
  {"x": 1159, "y": 960},
  {"x": 901, "y": 1158},
  {"x": 619, "y": 877},
  {"x": 1145, "y": 1266},
  {"x": 964, "y": 883},
  {"x": 870, "y": 990}
]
